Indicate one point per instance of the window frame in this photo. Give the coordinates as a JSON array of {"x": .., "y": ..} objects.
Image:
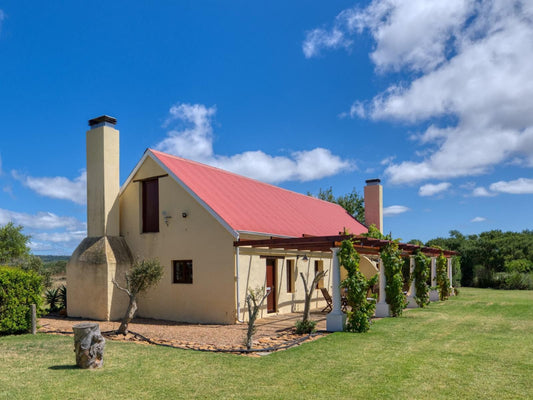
[
  {"x": 289, "y": 265},
  {"x": 188, "y": 276},
  {"x": 319, "y": 266}
]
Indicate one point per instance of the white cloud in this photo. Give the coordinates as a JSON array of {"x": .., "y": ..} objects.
[
  {"x": 433, "y": 189},
  {"x": 57, "y": 187},
  {"x": 394, "y": 210},
  {"x": 482, "y": 192},
  {"x": 469, "y": 69},
  {"x": 41, "y": 220},
  {"x": 193, "y": 139},
  {"x": 478, "y": 219},
  {"x": 518, "y": 186},
  {"x": 318, "y": 38},
  {"x": 61, "y": 237}
]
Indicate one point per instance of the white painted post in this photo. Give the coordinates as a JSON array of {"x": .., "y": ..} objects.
[
  {"x": 450, "y": 275},
  {"x": 433, "y": 293},
  {"x": 336, "y": 319},
  {"x": 411, "y": 303},
  {"x": 382, "y": 308}
]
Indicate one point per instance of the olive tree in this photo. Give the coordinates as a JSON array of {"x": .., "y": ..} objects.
[{"x": 143, "y": 275}]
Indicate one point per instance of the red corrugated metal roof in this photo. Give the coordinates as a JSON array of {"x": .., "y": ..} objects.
[{"x": 247, "y": 205}]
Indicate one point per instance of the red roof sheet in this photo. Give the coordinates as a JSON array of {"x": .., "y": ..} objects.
[{"x": 252, "y": 206}]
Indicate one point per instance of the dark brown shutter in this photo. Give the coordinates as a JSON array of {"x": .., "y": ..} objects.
[{"x": 150, "y": 205}]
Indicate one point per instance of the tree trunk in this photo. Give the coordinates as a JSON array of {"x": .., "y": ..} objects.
[
  {"x": 88, "y": 345},
  {"x": 130, "y": 312},
  {"x": 307, "y": 304}
]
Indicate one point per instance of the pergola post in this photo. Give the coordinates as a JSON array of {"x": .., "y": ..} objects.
[
  {"x": 411, "y": 302},
  {"x": 433, "y": 293},
  {"x": 336, "y": 319},
  {"x": 382, "y": 308},
  {"x": 450, "y": 275}
]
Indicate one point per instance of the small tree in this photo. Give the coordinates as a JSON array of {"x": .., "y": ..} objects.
[
  {"x": 13, "y": 243},
  {"x": 254, "y": 301},
  {"x": 352, "y": 202},
  {"x": 357, "y": 287},
  {"x": 309, "y": 294},
  {"x": 143, "y": 275}
]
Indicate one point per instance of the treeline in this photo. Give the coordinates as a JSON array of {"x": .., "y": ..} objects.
[{"x": 494, "y": 259}]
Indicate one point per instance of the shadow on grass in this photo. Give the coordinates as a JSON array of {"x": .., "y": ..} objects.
[{"x": 62, "y": 367}]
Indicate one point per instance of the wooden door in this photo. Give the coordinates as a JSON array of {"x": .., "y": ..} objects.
[{"x": 271, "y": 283}]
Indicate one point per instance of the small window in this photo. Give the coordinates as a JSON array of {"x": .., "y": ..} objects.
[
  {"x": 290, "y": 276},
  {"x": 182, "y": 271},
  {"x": 150, "y": 205},
  {"x": 319, "y": 267}
]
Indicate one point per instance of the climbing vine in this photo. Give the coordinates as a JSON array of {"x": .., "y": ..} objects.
[
  {"x": 357, "y": 288},
  {"x": 393, "y": 262},
  {"x": 421, "y": 275},
  {"x": 443, "y": 282}
]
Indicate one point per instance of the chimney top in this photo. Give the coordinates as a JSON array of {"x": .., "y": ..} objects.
[
  {"x": 104, "y": 120},
  {"x": 371, "y": 182}
]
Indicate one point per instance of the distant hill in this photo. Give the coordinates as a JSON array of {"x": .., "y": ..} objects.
[{"x": 47, "y": 259}]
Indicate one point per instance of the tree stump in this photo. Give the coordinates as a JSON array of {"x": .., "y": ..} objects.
[{"x": 88, "y": 345}]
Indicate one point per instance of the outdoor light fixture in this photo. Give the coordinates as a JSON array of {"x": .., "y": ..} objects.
[
  {"x": 184, "y": 214},
  {"x": 304, "y": 258},
  {"x": 166, "y": 217}
]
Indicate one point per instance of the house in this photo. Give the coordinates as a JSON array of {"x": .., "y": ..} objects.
[{"x": 191, "y": 217}]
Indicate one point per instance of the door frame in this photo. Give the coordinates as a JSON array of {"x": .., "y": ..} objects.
[{"x": 271, "y": 267}]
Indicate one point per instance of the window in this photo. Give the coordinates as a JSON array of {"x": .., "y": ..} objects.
[
  {"x": 319, "y": 267},
  {"x": 150, "y": 205},
  {"x": 182, "y": 271},
  {"x": 290, "y": 276}
]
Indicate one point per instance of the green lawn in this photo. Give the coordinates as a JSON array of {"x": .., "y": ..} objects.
[{"x": 478, "y": 345}]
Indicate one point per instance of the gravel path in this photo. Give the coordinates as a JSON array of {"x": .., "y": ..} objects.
[{"x": 273, "y": 331}]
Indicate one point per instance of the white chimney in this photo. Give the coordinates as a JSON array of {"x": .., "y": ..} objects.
[
  {"x": 103, "y": 181},
  {"x": 374, "y": 203}
]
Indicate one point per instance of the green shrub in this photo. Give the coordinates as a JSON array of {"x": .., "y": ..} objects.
[
  {"x": 520, "y": 265},
  {"x": 485, "y": 278},
  {"x": 421, "y": 274},
  {"x": 393, "y": 262},
  {"x": 456, "y": 272},
  {"x": 357, "y": 288},
  {"x": 52, "y": 299},
  {"x": 18, "y": 290},
  {"x": 443, "y": 283},
  {"x": 305, "y": 327}
]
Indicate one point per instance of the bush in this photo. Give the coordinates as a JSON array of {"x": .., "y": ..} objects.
[
  {"x": 421, "y": 274},
  {"x": 357, "y": 288},
  {"x": 485, "y": 278},
  {"x": 393, "y": 262},
  {"x": 305, "y": 327},
  {"x": 18, "y": 290}
]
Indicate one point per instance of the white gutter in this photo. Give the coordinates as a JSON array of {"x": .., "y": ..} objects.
[{"x": 237, "y": 253}]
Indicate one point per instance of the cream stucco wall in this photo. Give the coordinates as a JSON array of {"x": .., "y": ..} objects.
[{"x": 198, "y": 237}]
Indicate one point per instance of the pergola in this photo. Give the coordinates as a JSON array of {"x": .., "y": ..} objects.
[{"x": 364, "y": 246}]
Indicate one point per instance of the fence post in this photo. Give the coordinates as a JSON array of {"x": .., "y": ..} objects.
[{"x": 33, "y": 319}]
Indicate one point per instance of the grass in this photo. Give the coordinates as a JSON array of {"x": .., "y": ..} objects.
[{"x": 476, "y": 345}]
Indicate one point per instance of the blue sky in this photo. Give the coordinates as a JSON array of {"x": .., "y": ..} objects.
[{"x": 432, "y": 97}]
